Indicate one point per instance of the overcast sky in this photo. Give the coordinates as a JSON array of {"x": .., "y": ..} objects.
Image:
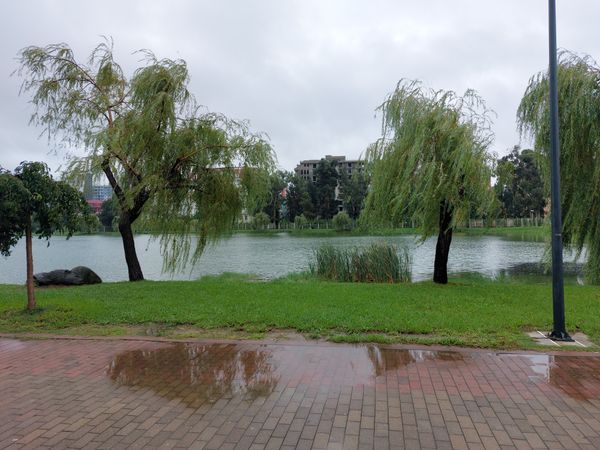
[{"x": 309, "y": 73}]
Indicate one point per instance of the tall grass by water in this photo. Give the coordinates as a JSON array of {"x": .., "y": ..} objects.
[{"x": 377, "y": 263}]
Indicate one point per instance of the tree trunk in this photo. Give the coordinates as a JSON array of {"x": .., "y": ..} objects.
[
  {"x": 133, "y": 264},
  {"x": 29, "y": 255},
  {"x": 442, "y": 248}
]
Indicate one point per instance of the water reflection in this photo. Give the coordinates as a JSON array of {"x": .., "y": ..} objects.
[
  {"x": 573, "y": 271},
  {"x": 205, "y": 373},
  {"x": 197, "y": 373},
  {"x": 578, "y": 377},
  {"x": 385, "y": 360}
]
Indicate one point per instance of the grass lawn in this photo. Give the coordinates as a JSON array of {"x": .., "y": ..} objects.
[{"x": 467, "y": 312}]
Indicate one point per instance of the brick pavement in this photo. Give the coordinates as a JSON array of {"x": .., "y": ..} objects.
[{"x": 142, "y": 394}]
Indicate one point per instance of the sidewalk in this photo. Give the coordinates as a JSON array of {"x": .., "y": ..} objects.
[{"x": 104, "y": 393}]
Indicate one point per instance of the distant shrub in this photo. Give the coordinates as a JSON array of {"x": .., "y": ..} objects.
[
  {"x": 378, "y": 263},
  {"x": 300, "y": 221},
  {"x": 260, "y": 221},
  {"x": 342, "y": 221}
]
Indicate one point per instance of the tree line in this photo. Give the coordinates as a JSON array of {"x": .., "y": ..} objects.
[
  {"x": 291, "y": 196},
  {"x": 519, "y": 192}
]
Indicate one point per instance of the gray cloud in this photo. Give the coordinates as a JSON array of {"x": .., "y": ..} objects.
[{"x": 309, "y": 73}]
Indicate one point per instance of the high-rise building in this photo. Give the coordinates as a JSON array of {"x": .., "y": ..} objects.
[
  {"x": 95, "y": 194},
  {"x": 101, "y": 192}
]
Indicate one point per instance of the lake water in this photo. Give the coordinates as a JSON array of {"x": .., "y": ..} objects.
[{"x": 268, "y": 256}]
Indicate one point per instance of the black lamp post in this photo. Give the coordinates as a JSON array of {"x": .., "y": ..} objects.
[{"x": 559, "y": 331}]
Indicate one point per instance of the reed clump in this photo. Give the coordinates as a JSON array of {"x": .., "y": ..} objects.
[{"x": 378, "y": 263}]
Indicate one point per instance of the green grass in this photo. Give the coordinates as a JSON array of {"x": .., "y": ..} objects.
[{"x": 469, "y": 311}]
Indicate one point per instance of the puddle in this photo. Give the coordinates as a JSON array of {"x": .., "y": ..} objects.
[
  {"x": 205, "y": 373},
  {"x": 578, "y": 377},
  {"x": 11, "y": 345},
  {"x": 197, "y": 373},
  {"x": 384, "y": 360}
]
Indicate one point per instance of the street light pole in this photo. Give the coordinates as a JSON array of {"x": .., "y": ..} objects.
[{"x": 559, "y": 331}]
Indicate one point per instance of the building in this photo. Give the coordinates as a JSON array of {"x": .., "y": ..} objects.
[
  {"x": 307, "y": 169},
  {"x": 101, "y": 192},
  {"x": 93, "y": 191},
  {"x": 95, "y": 194},
  {"x": 96, "y": 205}
]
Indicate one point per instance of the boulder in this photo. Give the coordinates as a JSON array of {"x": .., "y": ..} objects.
[{"x": 76, "y": 276}]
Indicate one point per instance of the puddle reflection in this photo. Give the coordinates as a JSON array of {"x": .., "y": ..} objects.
[
  {"x": 197, "y": 373},
  {"x": 205, "y": 373},
  {"x": 384, "y": 360}
]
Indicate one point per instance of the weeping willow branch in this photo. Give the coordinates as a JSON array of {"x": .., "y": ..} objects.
[
  {"x": 579, "y": 115},
  {"x": 182, "y": 172}
]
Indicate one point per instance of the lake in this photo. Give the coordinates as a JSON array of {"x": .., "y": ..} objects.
[{"x": 268, "y": 256}]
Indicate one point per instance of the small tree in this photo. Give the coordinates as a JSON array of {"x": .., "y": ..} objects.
[
  {"x": 260, "y": 221},
  {"x": 32, "y": 202},
  {"x": 342, "y": 221},
  {"x": 300, "y": 221},
  {"x": 431, "y": 161},
  {"x": 89, "y": 222}
]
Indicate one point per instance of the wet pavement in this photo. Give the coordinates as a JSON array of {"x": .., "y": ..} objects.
[{"x": 142, "y": 394}]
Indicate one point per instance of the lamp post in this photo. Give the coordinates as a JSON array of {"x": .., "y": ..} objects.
[{"x": 559, "y": 331}]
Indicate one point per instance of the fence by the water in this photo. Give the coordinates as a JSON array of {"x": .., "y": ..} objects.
[{"x": 328, "y": 224}]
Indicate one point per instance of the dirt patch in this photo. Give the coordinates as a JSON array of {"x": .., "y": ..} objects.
[
  {"x": 285, "y": 335},
  {"x": 182, "y": 332}
]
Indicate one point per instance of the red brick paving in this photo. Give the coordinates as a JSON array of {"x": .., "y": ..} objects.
[{"x": 141, "y": 394}]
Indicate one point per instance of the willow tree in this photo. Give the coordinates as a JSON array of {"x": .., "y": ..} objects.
[
  {"x": 579, "y": 115},
  {"x": 430, "y": 164},
  {"x": 180, "y": 171}
]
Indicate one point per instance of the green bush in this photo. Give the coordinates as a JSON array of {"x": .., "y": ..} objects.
[
  {"x": 342, "y": 221},
  {"x": 378, "y": 263},
  {"x": 260, "y": 221},
  {"x": 300, "y": 221}
]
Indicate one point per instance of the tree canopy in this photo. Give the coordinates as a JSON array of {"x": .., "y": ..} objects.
[
  {"x": 519, "y": 186},
  {"x": 326, "y": 184},
  {"x": 431, "y": 162},
  {"x": 172, "y": 165},
  {"x": 107, "y": 213},
  {"x": 299, "y": 200},
  {"x": 579, "y": 122},
  {"x": 275, "y": 201},
  {"x": 353, "y": 191}
]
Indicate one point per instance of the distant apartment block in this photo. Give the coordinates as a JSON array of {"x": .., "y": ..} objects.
[
  {"x": 307, "y": 169},
  {"x": 93, "y": 191},
  {"x": 94, "y": 194},
  {"x": 101, "y": 192}
]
